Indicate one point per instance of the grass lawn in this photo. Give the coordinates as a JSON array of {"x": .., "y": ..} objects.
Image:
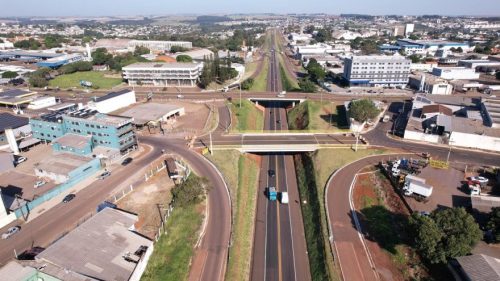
[
  {"x": 73, "y": 80},
  {"x": 260, "y": 81},
  {"x": 246, "y": 118},
  {"x": 314, "y": 116},
  {"x": 172, "y": 253},
  {"x": 288, "y": 81},
  {"x": 250, "y": 69},
  {"x": 243, "y": 188}
]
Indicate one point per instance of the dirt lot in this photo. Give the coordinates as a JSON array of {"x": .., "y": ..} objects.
[
  {"x": 144, "y": 201},
  {"x": 447, "y": 191},
  {"x": 195, "y": 118}
]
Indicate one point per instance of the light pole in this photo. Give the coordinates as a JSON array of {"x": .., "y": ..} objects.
[
  {"x": 240, "y": 93},
  {"x": 449, "y": 152}
]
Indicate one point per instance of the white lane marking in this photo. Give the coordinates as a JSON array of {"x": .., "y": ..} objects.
[{"x": 290, "y": 222}]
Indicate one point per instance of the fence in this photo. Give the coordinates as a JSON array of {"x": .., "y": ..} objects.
[{"x": 164, "y": 219}]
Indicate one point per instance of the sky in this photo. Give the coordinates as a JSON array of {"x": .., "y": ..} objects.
[{"x": 21, "y": 8}]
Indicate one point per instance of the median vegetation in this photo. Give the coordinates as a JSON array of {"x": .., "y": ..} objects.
[
  {"x": 174, "y": 250},
  {"x": 314, "y": 115},
  {"x": 247, "y": 117},
  {"x": 241, "y": 173}
]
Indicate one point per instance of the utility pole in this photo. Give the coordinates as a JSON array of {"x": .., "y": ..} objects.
[
  {"x": 448, "y": 157},
  {"x": 240, "y": 93},
  {"x": 211, "y": 146}
]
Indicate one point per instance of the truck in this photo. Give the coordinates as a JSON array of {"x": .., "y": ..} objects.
[
  {"x": 271, "y": 193},
  {"x": 415, "y": 188},
  {"x": 284, "y": 197}
]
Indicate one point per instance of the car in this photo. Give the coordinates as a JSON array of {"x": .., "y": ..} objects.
[
  {"x": 479, "y": 179},
  {"x": 127, "y": 161},
  {"x": 180, "y": 96},
  {"x": 278, "y": 121},
  {"x": 271, "y": 173},
  {"x": 68, "y": 198},
  {"x": 11, "y": 231},
  {"x": 39, "y": 184},
  {"x": 104, "y": 175},
  {"x": 284, "y": 197},
  {"x": 20, "y": 160}
]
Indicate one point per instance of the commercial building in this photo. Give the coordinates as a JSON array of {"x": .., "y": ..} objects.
[
  {"x": 59, "y": 61},
  {"x": 42, "y": 102},
  {"x": 113, "y": 101},
  {"x": 61, "y": 167},
  {"x": 16, "y": 97},
  {"x": 145, "y": 113},
  {"x": 474, "y": 64},
  {"x": 431, "y": 46},
  {"x": 477, "y": 267},
  {"x": 104, "y": 130},
  {"x": 491, "y": 109},
  {"x": 163, "y": 74},
  {"x": 455, "y": 73},
  {"x": 158, "y": 46},
  {"x": 430, "y": 84},
  {"x": 105, "y": 247},
  {"x": 15, "y": 132},
  {"x": 390, "y": 71}
]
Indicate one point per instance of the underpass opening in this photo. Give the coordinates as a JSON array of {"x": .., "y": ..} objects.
[{"x": 285, "y": 103}]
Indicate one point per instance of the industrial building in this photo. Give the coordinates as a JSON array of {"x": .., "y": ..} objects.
[
  {"x": 113, "y": 101},
  {"x": 61, "y": 167},
  {"x": 455, "y": 73},
  {"x": 16, "y": 97},
  {"x": 163, "y": 74},
  {"x": 430, "y": 84},
  {"x": 145, "y": 113},
  {"x": 104, "y": 130},
  {"x": 105, "y": 247},
  {"x": 61, "y": 60},
  {"x": 158, "y": 46},
  {"x": 392, "y": 71},
  {"x": 430, "y": 47},
  {"x": 15, "y": 133}
]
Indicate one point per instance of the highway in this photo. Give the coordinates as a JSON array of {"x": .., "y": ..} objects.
[{"x": 279, "y": 251}]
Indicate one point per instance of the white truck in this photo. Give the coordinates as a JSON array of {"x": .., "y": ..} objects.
[
  {"x": 417, "y": 188},
  {"x": 284, "y": 197}
]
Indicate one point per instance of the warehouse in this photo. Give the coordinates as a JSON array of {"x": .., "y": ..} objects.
[
  {"x": 158, "y": 46},
  {"x": 153, "y": 113},
  {"x": 113, "y": 101}
]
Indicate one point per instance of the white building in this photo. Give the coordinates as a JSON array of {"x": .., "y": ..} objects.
[
  {"x": 409, "y": 28},
  {"x": 377, "y": 70},
  {"x": 427, "y": 67},
  {"x": 113, "y": 101},
  {"x": 346, "y": 35},
  {"x": 163, "y": 74},
  {"x": 300, "y": 37},
  {"x": 430, "y": 84},
  {"x": 42, "y": 102},
  {"x": 455, "y": 73},
  {"x": 158, "y": 46},
  {"x": 477, "y": 63}
]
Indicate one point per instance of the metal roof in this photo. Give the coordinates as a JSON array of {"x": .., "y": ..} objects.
[
  {"x": 480, "y": 267},
  {"x": 8, "y": 120},
  {"x": 112, "y": 95}
]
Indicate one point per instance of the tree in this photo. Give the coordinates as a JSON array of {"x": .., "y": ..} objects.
[
  {"x": 413, "y": 37},
  {"x": 307, "y": 85},
  {"x": 323, "y": 35},
  {"x": 9, "y": 74},
  {"x": 52, "y": 41},
  {"x": 75, "y": 67},
  {"x": 184, "y": 58},
  {"x": 315, "y": 71},
  {"x": 140, "y": 50},
  {"x": 38, "y": 81},
  {"x": 415, "y": 58},
  {"x": 30, "y": 44},
  {"x": 247, "y": 84},
  {"x": 177, "y": 49},
  {"x": 191, "y": 191},
  {"x": 446, "y": 234},
  {"x": 100, "y": 56},
  {"x": 494, "y": 222},
  {"x": 362, "y": 110}
]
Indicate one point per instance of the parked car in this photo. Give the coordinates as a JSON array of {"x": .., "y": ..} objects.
[
  {"x": 11, "y": 231},
  {"x": 104, "y": 175},
  {"x": 20, "y": 160},
  {"x": 127, "y": 161},
  {"x": 39, "y": 184},
  {"x": 68, "y": 198},
  {"x": 479, "y": 179}
]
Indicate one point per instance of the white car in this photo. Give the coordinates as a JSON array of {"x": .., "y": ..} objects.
[
  {"x": 39, "y": 184},
  {"x": 180, "y": 96},
  {"x": 481, "y": 180},
  {"x": 284, "y": 197},
  {"x": 11, "y": 231},
  {"x": 21, "y": 159}
]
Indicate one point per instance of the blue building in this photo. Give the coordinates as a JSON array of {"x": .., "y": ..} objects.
[
  {"x": 429, "y": 47},
  {"x": 59, "y": 61},
  {"x": 82, "y": 131}
]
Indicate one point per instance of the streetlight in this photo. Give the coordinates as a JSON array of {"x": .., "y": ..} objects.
[
  {"x": 449, "y": 152},
  {"x": 240, "y": 92}
]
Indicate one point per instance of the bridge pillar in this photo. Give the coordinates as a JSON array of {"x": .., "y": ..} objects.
[
  {"x": 293, "y": 104},
  {"x": 256, "y": 102}
]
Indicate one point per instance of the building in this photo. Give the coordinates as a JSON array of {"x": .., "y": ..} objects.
[
  {"x": 409, "y": 28},
  {"x": 146, "y": 113},
  {"x": 16, "y": 98},
  {"x": 491, "y": 109},
  {"x": 197, "y": 55},
  {"x": 455, "y": 73},
  {"x": 390, "y": 71},
  {"x": 345, "y": 35},
  {"x": 64, "y": 166},
  {"x": 429, "y": 47},
  {"x": 158, "y": 46},
  {"x": 163, "y": 74},
  {"x": 110, "y": 131},
  {"x": 42, "y": 102},
  {"x": 59, "y": 61},
  {"x": 477, "y": 267},
  {"x": 113, "y": 101},
  {"x": 427, "y": 67},
  {"x": 105, "y": 247},
  {"x": 430, "y": 84},
  {"x": 15, "y": 132},
  {"x": 474, "y": 64}
]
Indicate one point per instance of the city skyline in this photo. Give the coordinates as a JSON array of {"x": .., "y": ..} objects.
[{"x": 60, "y": 8}]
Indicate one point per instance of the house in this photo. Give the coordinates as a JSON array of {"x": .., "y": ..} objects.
[{"x": 476, "y": 268}]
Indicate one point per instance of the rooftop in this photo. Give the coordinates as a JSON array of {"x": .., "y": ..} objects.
[
  {"x": 8, "y": 120},
  {"x": 97, "y": 247},
  {"x": 480, "y": 267},
  {"x": 112, "y": 95},
  {"x": 437, "y": 108},
  {"x": 146, "y": 112},
  {"x": 466, "y": 125},
  {"x": 62, "y": 163},
  {"x": 162, "y": 65},
  {"x": 72, "y": 140}
]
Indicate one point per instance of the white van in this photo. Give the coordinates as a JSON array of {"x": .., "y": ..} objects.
[{"x": 284, "y": 197}]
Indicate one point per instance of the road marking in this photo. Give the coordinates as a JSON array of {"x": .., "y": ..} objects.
[
  {"x": 290, "y": 221},
  {"x": 267, "y": 203},
  {"x": 278, "y": 224}
]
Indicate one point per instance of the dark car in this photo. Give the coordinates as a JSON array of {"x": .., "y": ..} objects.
[
  {"x": 271, "y": 173},
  {"x": 68, "y": 198},
  {"x": 104, "y": 175},
  {"x": 127, "y": 161}
]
